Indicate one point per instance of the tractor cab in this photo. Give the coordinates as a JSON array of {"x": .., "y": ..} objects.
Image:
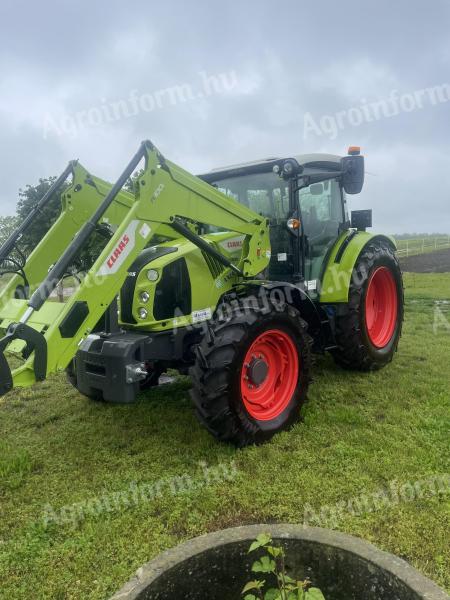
[{"x": 304, "y": 200}]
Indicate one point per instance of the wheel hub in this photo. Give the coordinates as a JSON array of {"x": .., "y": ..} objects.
[
  {"x": 257, "y": 371},
  {"x": 269, "y": 374}
]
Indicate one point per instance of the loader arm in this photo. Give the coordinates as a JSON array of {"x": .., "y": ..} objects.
[
  {"x": 79, "y": 201},
  {"x": 167, "y": 201}
]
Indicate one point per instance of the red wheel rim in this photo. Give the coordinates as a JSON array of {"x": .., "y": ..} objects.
[
  {"x": 269, "y": 375},
  {"x": 381, "y": 307}
]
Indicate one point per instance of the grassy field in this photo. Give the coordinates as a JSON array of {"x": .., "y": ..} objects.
[{"x": 360, "y": 433}]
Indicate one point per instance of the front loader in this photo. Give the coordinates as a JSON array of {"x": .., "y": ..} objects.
[{"x": 236, "y": 276}]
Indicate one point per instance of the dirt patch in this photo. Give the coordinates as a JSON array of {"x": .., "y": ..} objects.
[{"x": 433, "y": 262}]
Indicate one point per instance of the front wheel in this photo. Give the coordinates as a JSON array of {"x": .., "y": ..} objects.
[
  {"x": 369, "y": 329},
  {"x": 251, "y": 374}
]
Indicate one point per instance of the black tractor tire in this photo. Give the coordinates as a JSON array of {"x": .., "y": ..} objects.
[
  {"x": 71, "y": 376},
  {"x": 368, "y": 332},
  {"x": 225, "y": 383}
]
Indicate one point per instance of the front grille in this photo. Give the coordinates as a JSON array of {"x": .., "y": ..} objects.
[{"x": 173, "y": 292}]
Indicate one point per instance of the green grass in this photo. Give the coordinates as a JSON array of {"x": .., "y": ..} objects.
[{"x": 359, "y": 433}]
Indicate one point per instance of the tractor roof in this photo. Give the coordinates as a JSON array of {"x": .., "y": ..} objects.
[{"x": 319, "y": 161}]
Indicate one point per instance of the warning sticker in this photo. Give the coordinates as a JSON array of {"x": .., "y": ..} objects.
[
  {"x": 144, "y": 231},
  {"x": 201, "y": 315}
]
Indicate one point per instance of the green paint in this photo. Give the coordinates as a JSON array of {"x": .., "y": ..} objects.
[{"x": 336, "y": 279}]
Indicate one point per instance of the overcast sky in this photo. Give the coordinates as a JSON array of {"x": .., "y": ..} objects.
[{"x": 90, "y": 80}]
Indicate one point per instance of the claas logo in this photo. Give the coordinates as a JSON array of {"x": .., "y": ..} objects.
[
  {"x": 118, "y": 251},
  {"x": 234, "y": 244}
]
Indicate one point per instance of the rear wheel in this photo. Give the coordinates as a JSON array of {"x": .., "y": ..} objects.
[
  {"x": 251, "y": 374},
  {"x": 368, "y": 332}
]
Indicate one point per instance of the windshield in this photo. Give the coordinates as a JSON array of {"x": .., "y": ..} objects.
[{"x": 264, "y": 193}]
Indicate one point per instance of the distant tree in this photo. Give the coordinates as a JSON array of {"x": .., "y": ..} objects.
[
  {"x": 28, "y": 199},
  {"x": 7, "y": 226},
  {"x": 130, "y": 184},
  {"x": 409, "y": 236}
]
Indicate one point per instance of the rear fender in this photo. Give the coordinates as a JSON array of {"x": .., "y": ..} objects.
[{"x": 335, "y": 281}]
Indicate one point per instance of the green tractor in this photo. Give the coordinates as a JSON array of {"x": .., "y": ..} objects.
[{"x": 236, "y": 276}]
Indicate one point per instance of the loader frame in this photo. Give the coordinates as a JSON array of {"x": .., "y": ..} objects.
[{"x": 167, "y": 201}]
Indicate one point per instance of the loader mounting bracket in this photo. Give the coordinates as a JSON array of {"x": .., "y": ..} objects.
[{"x": 35, "y": 341}]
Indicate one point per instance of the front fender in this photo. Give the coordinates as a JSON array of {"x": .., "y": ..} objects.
[
  {"x": 335, "y": 281},
  {"x": 289, "y": 293}
]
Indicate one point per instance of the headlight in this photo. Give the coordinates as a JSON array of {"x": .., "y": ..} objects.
[
  {"x": 145, "y": 297},
  {"x": 288, "y": 167},
  {"x": 152, "y": 275},
  {"x": 143, "y": 313}
]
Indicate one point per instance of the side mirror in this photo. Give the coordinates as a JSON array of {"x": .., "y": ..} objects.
[
  {"x": 361, "y": 219},
  {"x": 352, "y": 173}
]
